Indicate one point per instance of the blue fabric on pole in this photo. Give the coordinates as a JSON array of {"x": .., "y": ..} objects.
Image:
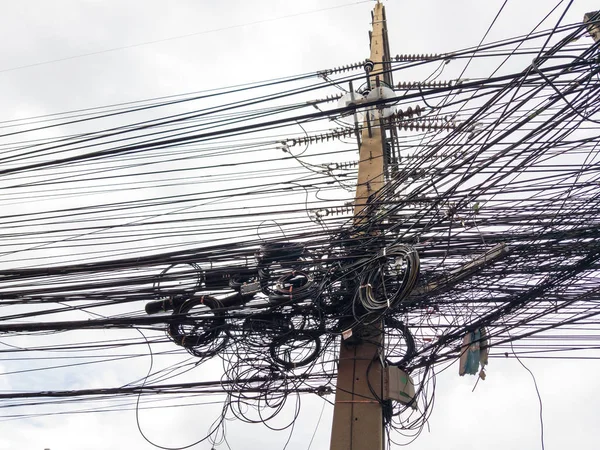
[{"x": 473, "y": 353}]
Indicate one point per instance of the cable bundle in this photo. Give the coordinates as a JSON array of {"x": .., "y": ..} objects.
[
  {"x": 389, "y": 278},
  {"x": 492, "y": 224},
  {"x": 202, "y": 338}
]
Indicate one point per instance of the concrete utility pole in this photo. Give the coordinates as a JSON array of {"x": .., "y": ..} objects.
[
  {"x": 370, "y": 165},
  {"x": 358, "y": 414},
  {"x": 358, "y": 417}
]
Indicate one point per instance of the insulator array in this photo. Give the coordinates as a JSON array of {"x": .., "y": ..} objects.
[
  {"x": 405, "y": 118},
  {"x": 418, "y": 125},
  {"x": 342, "y": 165},
  {"x": 411, "y": 205},
  {"x": 456, "y": 154},
  {"x": 331, "y": 135},
  {"x": 329, "y": 98},
  {"x": 436, "y": 122},
  {"x": 425, "y": 84},
  {"x": 423, "y": 57},
  {"x": 339, "y": 210},
  {"x": 416, "y": 174},
  {"x": 324, "y": 73},
  {"x": 407, "y": 113}
]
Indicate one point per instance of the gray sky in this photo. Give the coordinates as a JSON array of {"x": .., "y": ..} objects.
[{"x": 43, "y": 71}]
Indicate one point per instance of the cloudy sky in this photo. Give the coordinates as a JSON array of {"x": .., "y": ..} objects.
[{"x": 67, "y": 55}]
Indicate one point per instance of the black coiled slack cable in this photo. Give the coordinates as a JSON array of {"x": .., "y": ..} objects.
[
  {"x": 388, "y": 278},
  {"x": 202, "y": 336}
]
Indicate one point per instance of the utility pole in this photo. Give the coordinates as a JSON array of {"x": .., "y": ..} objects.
[
  {"x": 358, "y": 413},
  {"x": 370, "y": 165},
  {"x": 358, "y": 416}
]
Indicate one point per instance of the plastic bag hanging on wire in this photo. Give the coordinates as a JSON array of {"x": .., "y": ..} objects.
[{"x": 474, "y": 352}]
